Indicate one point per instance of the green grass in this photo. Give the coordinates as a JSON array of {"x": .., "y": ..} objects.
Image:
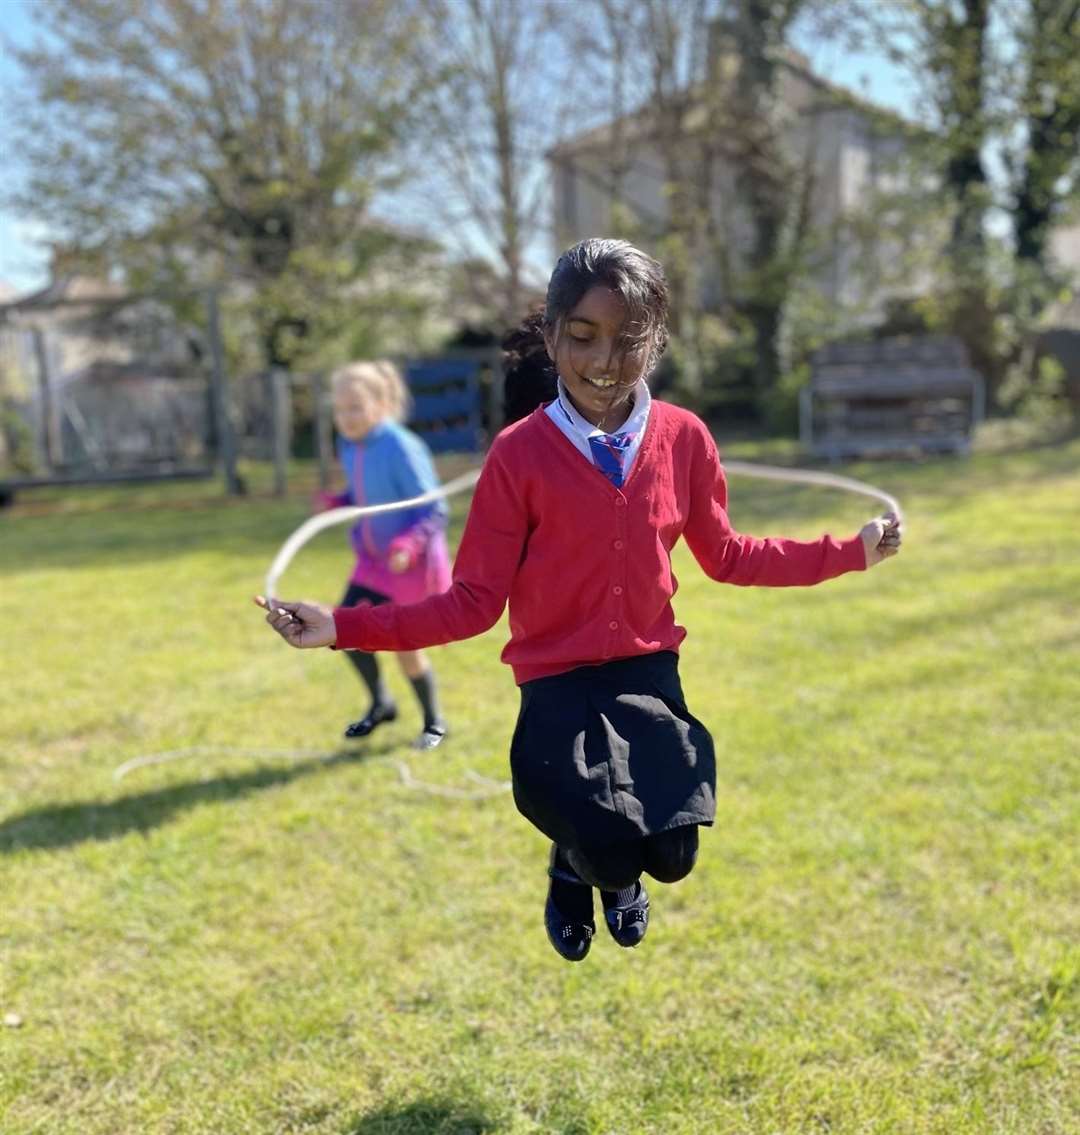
[{"x": 881, "y": 934}]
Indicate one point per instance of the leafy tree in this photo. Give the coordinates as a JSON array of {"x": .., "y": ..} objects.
[
  {"x": 192, "y": 140},
  {"x": 1047, "y": 170},
  {"x": 502, "y": 77},
  {"x": 698, "y": 82},
  {"x": 1004, "y": 76}
]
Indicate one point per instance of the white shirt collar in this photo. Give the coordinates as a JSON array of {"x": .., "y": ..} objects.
[{"x": 635, "y": 423}]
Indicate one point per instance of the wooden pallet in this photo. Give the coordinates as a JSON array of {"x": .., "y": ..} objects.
[{"x": 890, "y": 396}]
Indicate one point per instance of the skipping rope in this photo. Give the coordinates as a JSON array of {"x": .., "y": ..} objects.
[{"x": 487, "y": 787}]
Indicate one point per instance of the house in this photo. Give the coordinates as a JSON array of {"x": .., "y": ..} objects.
[
  {"x": 855, "y": 161},
  {"x": 847, "y": 155}
]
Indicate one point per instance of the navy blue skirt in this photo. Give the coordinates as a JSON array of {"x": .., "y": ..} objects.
[{"x": 610, "y": 753}]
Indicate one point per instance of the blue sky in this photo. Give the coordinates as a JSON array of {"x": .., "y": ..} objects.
[{"x": 23, "y": 263}]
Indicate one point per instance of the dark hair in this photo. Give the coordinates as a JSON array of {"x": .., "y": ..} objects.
[
  {"x": 639, "y": 280},
  {"x": 616, "y": 264},
  {"x": 530, "y": 378}
]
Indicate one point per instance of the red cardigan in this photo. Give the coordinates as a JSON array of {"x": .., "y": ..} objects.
[{"x": 586, "y": 566}]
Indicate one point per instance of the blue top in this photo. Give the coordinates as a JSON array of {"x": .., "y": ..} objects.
[{"x": 391, "y": 463}]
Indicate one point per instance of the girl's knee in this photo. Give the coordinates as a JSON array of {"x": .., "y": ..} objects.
[
  {"x": 671, "y": 856},
  {"x": 610, "y": 870},
  {"x": 671, "y": 870},
  {"x": 412, "y": 662}
]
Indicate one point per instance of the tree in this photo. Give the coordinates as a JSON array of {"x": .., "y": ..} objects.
[
  {"x": 1049, "y": 165},
  {"x": 772, "y": 181},
  {"x": 704, "y": 75},
  {"x": 501, "y": 79},
  {"x": 998, "y": 75},
  {"x": 219, "y": 139},
  {"x": 953, "y": 43}
]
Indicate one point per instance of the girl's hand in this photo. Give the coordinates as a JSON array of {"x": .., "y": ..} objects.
[
  {"x": 882, "y": 538},
  {"x": 399, "y": 561},
  {"x": 300, "y": 624}
]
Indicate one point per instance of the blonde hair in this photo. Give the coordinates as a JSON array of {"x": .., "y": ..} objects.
[{"x": 381, "y": 379}]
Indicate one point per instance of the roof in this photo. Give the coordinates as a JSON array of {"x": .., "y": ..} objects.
[
  {"x": 832, "y": 96},
  {"x": 67, "y": 290}
]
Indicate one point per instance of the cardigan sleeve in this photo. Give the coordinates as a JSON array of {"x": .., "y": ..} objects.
[
  {"x": 487, "y": 560},
  {"x": 731, "y": 557}
]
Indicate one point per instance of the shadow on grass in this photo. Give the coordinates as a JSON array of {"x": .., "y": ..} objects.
[
  {"x": 67, "y": 824},
  {"x": 424, "y": 1117}
]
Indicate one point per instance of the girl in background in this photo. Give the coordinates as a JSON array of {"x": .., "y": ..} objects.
[{"x": 401, "y": 557}]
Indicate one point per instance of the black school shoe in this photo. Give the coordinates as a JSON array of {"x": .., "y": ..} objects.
[
  {"x": 376, "y": 716},
  {"x": 629, "y": 923},
  {"x": 571, "y": 939}
]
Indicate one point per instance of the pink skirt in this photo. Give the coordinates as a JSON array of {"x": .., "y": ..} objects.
[{"x": 430, "y": 575}]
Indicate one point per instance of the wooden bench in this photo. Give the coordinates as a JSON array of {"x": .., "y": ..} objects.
[{"x": 890, "y": 396}]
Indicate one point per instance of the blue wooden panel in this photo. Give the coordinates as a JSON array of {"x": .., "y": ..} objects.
[
  {"x": 441, "y": 372},
  {"x": 448, "y": 404},
  {"x": 446, "y": 409},
  {"x": 462, "y": 439}
]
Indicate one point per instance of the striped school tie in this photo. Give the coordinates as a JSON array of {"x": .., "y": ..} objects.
[{"x": 609, "y": 453}]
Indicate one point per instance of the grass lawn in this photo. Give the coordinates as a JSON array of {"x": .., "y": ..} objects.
[{"x": 881, "y": 934}]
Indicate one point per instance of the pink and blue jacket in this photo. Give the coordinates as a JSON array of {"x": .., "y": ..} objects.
[{"x": 390, "y": 464}]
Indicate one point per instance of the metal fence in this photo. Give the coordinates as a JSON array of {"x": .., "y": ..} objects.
[{"x": 99, "y": 385}]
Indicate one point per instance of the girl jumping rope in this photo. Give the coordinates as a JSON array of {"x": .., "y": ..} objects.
[
  {"x": 401, "y": 557},
  {"x": 574, "y": 517}
]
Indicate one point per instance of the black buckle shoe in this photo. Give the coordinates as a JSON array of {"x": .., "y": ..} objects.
[
  {"x": 376, "y": 716},
  {"x": 628, "y": 924},
  {"x": 571, "y": 939}
]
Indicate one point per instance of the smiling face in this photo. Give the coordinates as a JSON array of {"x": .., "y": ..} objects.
[{"x": 598, "y": 357}]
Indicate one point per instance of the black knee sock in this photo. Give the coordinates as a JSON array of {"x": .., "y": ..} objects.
[
  {"x": 620, "y": 898},
  {"x": 367, "y": 666},
  {"x": 428, "y": 697},
  {"x": 574, "y": 900}
]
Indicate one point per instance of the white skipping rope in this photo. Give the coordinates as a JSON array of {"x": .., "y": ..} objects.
[
  {"x": 811, "y": 477},
  {"x": 316, "y": 524}
]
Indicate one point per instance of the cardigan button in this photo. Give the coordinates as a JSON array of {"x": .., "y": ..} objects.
[
  {"x": 616, "y": 590},
  {"x": 618, "y": 545},
  {"x": 613, "y": 625}
]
